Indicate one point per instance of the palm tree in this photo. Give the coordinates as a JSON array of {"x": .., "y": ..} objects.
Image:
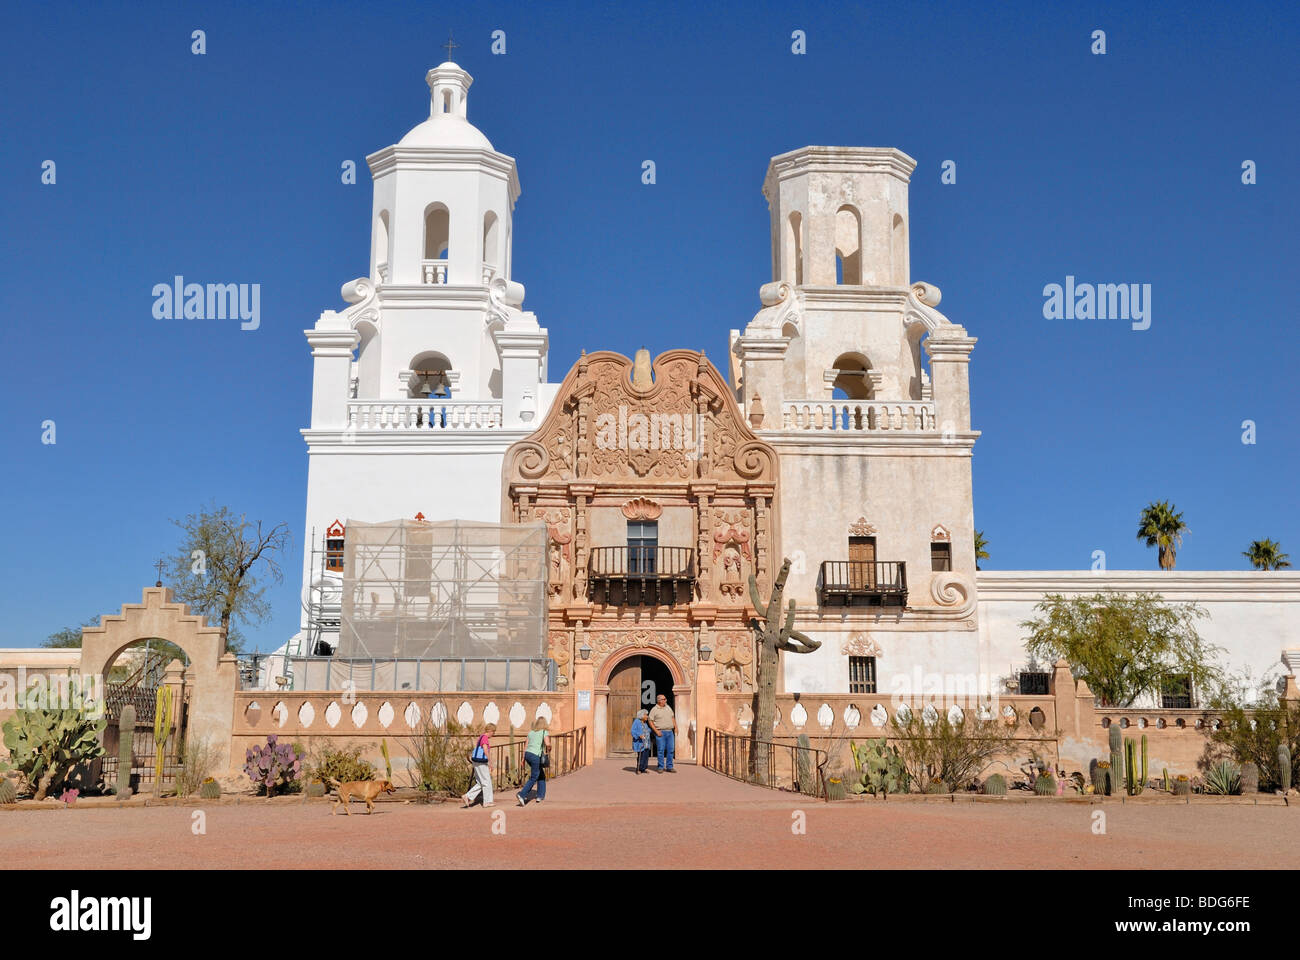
[
  {"x": 1162, "y": 526},
  {"x": 980, "y": 544},
  {"x": 1267, "y": 555}
]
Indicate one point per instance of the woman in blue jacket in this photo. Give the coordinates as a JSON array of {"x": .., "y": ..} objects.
[{"x": 641, "y": 741}]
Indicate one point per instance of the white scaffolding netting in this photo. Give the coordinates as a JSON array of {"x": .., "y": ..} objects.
[{"x": 456, "y": 589}]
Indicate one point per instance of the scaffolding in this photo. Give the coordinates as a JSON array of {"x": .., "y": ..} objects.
[{"x": 419, "y": 605}]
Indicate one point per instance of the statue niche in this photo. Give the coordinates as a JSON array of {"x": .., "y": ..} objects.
[{"x": 731, "y": 551}]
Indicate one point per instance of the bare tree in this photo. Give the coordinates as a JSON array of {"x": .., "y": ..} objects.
[{"x": 222, "y": 560}]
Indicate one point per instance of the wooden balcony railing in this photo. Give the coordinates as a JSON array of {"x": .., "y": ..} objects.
[
  {"x": 863, "y": 583},
  {"x": 641, "y": 576}
]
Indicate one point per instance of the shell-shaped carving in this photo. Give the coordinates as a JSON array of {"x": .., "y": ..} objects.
[
  {"x": 927, "y": 293},
  {"x": 412, "y": 715},
  {"x": 385, "y": 714},
  {"x": 798, "y": 716},
  {"x": 879, "y": 715},
  {"x": 642, "y": 508},
  {"x": 306, "y": 714},
  {"x": 518, "y": 715},
  {"x": 753, "y": 459},
  {"x": 531, "y": 459},
  {"x": 825, "y": 716},
  {"x": 491, "y": 714}
]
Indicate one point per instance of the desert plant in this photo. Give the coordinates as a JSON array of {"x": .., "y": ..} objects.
[
  {"x": 272, "y": 765},
  {"x": 1284, "y": 767},
  {"x": 1182, "y": 787},
  {"x": 388, "y": 764},
  {"x": 1223, "y": 779},
  {"x": 995, "y": 786},
  {"x": 1097, "y": 771},
  {"x": 881, "y": 770},
  {"x": 47, "y": 745},
  {"x": 1116, "y": 757},
  {"x": 951, "y": 752},
  {"x": 1162, "y": 526},
  {"x": 315, "y": 788},
  {"x": 1123, "y": 645},
  {"x": 162, "y": 729},
  {"x": 8, "y": 791},
  {"x": 344, "y": 765},
  {"x": 1045, "y": 785},
  {"x": 804, "y": 766},
  {"x": 836, "y": 788},
  {"x": 1254, "y": 731},
  {"x": 1249, "y": 778},
  {"x": 774, "y": 633},
  {"x": 125, "y": 748},
  {"x": 1166, "y": 779},
  {"x": 1106, "y": 774},
  {"x": 937, "y": 786},
  {"x": 197, "y": 763},
  {"x": 1135, "y": 782},
  {"x": 209, "y": 789},
  {"x": 439, "y": 757}
]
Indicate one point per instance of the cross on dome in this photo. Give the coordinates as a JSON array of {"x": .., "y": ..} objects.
[{"x": 450, "y": 45}]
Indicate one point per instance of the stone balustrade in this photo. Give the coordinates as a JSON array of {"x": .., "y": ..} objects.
[
  {"x": 859, "y": 416},
  {"x": 433, "y": 271},
  {"x": 412, "y": 415}
]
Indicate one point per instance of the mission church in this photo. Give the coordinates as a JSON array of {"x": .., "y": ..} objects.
[{"x": 595, "y": 533}]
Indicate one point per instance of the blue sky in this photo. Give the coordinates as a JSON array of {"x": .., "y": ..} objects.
[{"x": 226, "y": 168}]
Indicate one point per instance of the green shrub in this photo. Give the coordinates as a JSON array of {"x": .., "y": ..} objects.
[
  {"x": 440, "y": 757},
  {"x": 1276, "y": 724},
  {"x": 345, "y": 766},
  {"x": 197, "y": 764}
]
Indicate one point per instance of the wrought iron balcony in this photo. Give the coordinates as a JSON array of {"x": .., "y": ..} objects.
[
  {"x": 641, "y": 576},
  {"x": 863, "y": 583}
]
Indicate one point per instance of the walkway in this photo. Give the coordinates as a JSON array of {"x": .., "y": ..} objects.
[{"x": 612, "y": 781}]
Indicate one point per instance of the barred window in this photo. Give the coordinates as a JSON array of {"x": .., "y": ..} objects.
[
  {"x": 1035, "y": 683},
  {"x": 862, "y": 674},
  {"x": 941, "y": 556},
  {"x": 1176, "y": 691}
]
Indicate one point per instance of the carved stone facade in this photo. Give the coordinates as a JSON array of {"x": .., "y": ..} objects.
[{"x": 667, "y": 445}]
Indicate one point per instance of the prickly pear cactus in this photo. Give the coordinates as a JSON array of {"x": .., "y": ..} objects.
[{"x": 47, "y": 745}]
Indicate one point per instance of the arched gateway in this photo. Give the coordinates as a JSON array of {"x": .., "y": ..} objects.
[
  {"x": 659, "y": 503},
  {"x": 211, "y": 677}
]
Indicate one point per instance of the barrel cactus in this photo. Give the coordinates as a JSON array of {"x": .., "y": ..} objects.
[
  {"x": 8, "y": 791},
  {"x": 995, "y": 786},
  {"x": 1106, "y": 776},
  {"x": 316, "y": 789},
  {"x": 1284, "y": 767},
  {"x": 836, "y": 788},
  {"x": 1097, "y": 773},
  {"x": 1182, "y": 786},
  {"x": 1045, "y": 785},
  {"x": 209, "y": 789},
  {"x": 937, "y": 786}
]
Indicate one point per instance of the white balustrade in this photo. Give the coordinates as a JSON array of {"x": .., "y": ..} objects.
[
  {"x": 413, "y": 415},
  {"x": 858, "y": 416},
  {"x": 434, "y": 271}
]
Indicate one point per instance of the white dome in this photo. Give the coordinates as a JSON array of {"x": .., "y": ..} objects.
[{"x": 446, "y": 130}]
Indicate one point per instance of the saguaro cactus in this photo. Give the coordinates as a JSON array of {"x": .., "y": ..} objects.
[
  {"x": 803, "y": 764},
  {"x": 125, "y": 743},
  {"x": 162, "y": 729},
  {"x": 772, "y": 637},
  {"x": 1284, "y": 767},
  {"x": 1116, "y": 758}
]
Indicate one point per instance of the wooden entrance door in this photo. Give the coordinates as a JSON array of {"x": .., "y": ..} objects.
[{"x": 624, "y": 702}]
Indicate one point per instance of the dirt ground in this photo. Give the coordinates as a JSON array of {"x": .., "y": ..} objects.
[{"x": 605, "y": 816}]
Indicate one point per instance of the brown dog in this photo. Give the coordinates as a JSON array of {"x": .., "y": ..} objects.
[{"x": 366, "y": 790}]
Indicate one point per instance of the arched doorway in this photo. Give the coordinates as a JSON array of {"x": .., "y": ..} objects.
[{"x": 634, "y": 684}]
